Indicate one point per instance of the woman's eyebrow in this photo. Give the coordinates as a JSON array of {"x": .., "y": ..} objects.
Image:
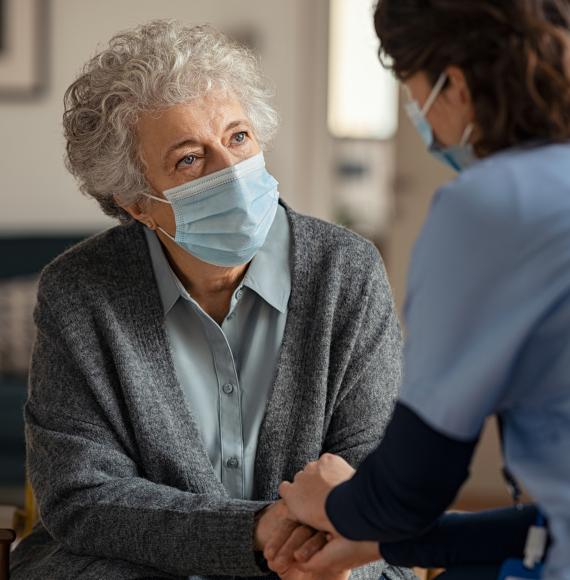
[
  {"x": 236, "y": 123},
  {"x": 179, "y": 144},
  {"x": 188, "y": 142}
]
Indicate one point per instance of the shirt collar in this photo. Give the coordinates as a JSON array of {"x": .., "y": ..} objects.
[
  {"x": 166, "y": 279},
  {"x": 268, "y": 275}
]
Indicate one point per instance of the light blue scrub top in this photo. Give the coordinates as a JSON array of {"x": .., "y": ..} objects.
[
  {"x": 227, "y": 371},
  {"x": 488, "y": 320}
]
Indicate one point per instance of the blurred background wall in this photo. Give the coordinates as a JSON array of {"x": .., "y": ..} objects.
[{"x": 374, "y": 177}]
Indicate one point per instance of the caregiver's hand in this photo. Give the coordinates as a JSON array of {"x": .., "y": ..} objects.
[
  {"x": 299, "y": 550},
  {"x": 282, "y": 560},
  {"x": 305, "y": 497},
  {"x": 287, "y": 567},
  {"x": 337, "y": 555}
]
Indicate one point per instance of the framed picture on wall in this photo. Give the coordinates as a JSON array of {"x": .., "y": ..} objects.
[{"x": 23, "y": 48}]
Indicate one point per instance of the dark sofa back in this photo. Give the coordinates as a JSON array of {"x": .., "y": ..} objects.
[
  {"x": 21, "y": 256},
  {"x": 24, "y": 255}
]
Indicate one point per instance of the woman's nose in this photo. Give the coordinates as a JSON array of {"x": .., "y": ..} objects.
[{"x": 220, "y": 158}]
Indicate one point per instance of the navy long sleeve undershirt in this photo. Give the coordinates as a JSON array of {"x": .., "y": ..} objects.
[
  {"x": 400, "y": 492},
  {"x": 487, "y": 537},
  {"x": 404, "y": 486}
]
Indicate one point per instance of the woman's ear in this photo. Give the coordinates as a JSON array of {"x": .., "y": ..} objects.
[
  {"x": 137, "y": 210},
  {"x": 457, "y": 91}
]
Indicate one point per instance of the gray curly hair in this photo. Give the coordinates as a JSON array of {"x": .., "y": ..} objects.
[{"x": 149, "y": 68}]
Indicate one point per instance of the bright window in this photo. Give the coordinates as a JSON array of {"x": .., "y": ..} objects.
[{"x": 362, "y": 96}]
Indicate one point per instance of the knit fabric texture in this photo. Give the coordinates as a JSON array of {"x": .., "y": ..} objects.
[{"x": 124, "y": 484}]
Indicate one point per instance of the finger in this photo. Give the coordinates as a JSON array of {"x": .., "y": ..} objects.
[
  {"x": 281, "y": 571},
  {"x": 284, "y": 573},
  {"x": 324, "y": 560},
  {"x": 284, "y": 489},
  {"x": 300, "y": 475},
  {"x": 310, "y": 548},
  {"x": 293, "y": 574},
  {"x": 285, "y": 558},
  {"x": 278, "y": 538}
]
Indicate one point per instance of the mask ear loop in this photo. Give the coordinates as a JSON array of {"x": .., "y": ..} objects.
[
  {"x": 434, "y": 93},
  {"x": 467, "y": 134},
  {"x": 163, "y": 201},
  {"x": 166, "y": 234},
  {"x": 431, "y": 100},
  {"x": 157, "y": 198}
]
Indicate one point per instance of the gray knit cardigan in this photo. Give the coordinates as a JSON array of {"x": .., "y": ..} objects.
[{"x": 124, "y": 484}]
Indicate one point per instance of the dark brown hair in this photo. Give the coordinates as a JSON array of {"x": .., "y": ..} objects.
[{"x": 515, "y": 55}]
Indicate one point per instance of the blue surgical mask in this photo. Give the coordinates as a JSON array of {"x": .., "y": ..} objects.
[
  {"x": 458, "y": 157},
  {"x": 223, "y": 218}
]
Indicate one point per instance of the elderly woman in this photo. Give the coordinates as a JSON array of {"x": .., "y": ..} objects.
[{"x": 207, "y": 348}]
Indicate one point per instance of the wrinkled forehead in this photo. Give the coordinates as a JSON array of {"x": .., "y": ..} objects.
[
  {"x": 192, "y": 126},
  {"x": 200, "y": 117}
]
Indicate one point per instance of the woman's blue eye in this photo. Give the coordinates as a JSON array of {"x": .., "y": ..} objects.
[
  {"x": 188, "y": 160},
  {"x": 240, "y": 137}
]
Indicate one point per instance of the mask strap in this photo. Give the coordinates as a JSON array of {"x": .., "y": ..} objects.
[
  {"x": 165, "y": 233},
  {"x": 467, "y": 134},
  {"x": 434, "y": 93},
  {"x": 157, "y": 198}
]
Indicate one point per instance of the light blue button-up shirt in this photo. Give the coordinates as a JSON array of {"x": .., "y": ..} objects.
[
  {"x": 226, "y": 371},
  {"x": 488, "y": 317}
]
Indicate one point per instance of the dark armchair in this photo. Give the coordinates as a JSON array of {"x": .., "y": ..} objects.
[{"x": 6, "y": 539}]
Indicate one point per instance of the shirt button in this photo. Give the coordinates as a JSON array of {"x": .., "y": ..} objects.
[
  {"x": 239, "y": 293},
  {"x": 232, "y": 462},
  {"x": 228, "y": 388}
]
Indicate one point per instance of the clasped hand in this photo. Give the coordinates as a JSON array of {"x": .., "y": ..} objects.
[{"x": 298, "y": 540}]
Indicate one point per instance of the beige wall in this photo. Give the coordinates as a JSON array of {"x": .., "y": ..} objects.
[{"x": 36, "y": 193}]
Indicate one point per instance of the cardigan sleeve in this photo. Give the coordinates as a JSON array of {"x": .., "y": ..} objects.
[
  {"x": 94, "y": 499},
  {"x": 370, "y": 387},
  {"x": 372, "y": 372}
]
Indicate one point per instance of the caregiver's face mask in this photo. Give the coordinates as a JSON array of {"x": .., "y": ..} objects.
[
  {"x": 223, "y": 218},
  {"x": 459, "y": 156}
]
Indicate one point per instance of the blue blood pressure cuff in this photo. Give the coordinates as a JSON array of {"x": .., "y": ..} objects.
[
  {"x": 534, "y": 552},
  {"x": 516, "y": 570}
]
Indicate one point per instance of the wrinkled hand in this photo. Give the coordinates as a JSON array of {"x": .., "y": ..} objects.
[
  {"x": 275, "y": 523},
  {"x": 295, "y": 574},
  {"x": 305, "y": 497},
  {"x": 272, "y": 521},
  {"x": 307, "y": 541},
  {"x": 336, "y": 556},
  {"x": 284, "y": 563}
]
